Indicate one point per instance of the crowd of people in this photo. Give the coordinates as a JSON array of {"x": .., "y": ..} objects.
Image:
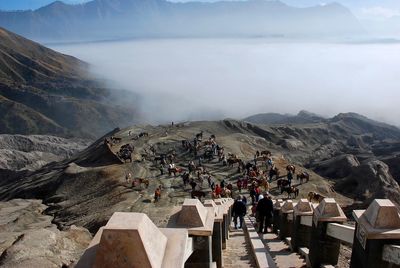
[
  {"x": 262, "y": 210},
  {"x": 253, "y": 176}
]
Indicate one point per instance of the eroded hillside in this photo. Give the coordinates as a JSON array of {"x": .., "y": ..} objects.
[{"x": 46, "y": 92}]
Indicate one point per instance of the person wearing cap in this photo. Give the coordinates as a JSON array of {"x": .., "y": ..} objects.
[{"x": 265, "y": 211}]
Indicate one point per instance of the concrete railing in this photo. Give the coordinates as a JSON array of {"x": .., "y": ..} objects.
[
  {"x": 316, "y": 232},
  {"x": 261, "y": 255},
  {"x": 195, "y": 237},
  {"x": 341, "y": 232}
]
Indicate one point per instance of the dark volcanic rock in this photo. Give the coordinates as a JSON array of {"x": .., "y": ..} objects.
[
  {"x": 337, "y": 167},
  {"x": 29, "y": 239},
  {"x": 369, "y": 181},
  {"x": 394, "y": 166},
  {"x": 19, "y": 152}
]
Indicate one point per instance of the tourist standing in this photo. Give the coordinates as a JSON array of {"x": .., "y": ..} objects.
[
  {"x": 238, "y": 211},
  {"x": 265, "y": 211},
  {"x": 290, "y": 178}
]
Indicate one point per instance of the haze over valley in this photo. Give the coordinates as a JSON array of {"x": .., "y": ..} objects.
[{"x": 186, "y": 79}]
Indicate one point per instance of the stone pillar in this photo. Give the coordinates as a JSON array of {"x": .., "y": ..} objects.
[
  {"x": 286, "y": 220},
  {"x": 323, "y": 248},
  {"x": 228, "y": 203},
  {"x": 217, "y": 244},
  {"x": 217, "y": 233},
  {"x": 132, "y": 239},
  {"x": 277, "y": 212},
  {"x": 202, "y": 252},
  {"x": 377, "y": 226},
  {"x": 199, "y": 221},
  {"x": 225, "y": 223},
  {"x": 301, "y": 233}
]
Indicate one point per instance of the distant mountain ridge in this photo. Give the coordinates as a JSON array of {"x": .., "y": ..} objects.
[
  {"x": 303, "y": 117},
  {"x": 110, "y": 19},
  {"x": 45, "y": 92}
]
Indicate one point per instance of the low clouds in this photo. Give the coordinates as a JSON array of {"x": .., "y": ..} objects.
[{"x": 181, "y": 79}]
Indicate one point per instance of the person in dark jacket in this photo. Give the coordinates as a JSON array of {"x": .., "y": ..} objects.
[
  {"x": 253, "y": 195},
  {"x": 238, "y": 211},
  {"x": 265, "y": 211},
  {"x": 290, "y": 178}
]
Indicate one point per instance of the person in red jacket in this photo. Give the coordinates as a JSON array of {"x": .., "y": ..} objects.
[
  {"x": 258, "y": 192},
  {"x": 218, "y": 191},
  {"x": 157, "y": 194}
]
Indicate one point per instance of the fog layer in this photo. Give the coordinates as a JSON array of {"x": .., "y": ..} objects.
[{"x": 187, "y": 79}]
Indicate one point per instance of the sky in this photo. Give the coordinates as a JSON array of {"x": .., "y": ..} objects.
[
  {"x": 363, "y": 9},
  {"x": 31, "y": 4}
]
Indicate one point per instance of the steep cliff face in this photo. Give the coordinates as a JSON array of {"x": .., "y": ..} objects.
[
  {"x": 370, "y": 181},
  {"x": 29, "y": 239},
  {"x": 19, "y": 152}
]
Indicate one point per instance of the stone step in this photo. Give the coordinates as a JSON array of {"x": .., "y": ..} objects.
[{"x": 281, "y": 253}]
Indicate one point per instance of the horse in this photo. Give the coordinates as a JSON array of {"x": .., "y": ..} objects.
[
  {"x": 174, "y": 171},
  {"x": 265, "y": 184},
  {"x": 141, "y": 181},
  {"x": 115, "y": 139},
  {"x": 143, "y": 134},
  {"x": 209, "y": 142},
  {"x": 274, "y": 172},
  {"x": 313, "y": 196},
  {"x": 302, "y": 176},
  {"x": 232, "y": 161},
  {"x": 208, "y": 155},
  {"x": 290, "y": 190},
  {"x": 282, "y": 183},
  {"x": 291, "y": 168},
  {"x": 266, "y": 153},
  {"x": 226, "y": 193},
  {"x": 160, "y": 158},
  {"x": 199, "y": 136},
  {"x": 232, "y": 156},
  {"x": 198, "y": 194}
]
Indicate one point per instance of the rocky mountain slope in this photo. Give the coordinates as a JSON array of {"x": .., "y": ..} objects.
[
  {"x": 19, "y": 152},
  {"x": 111, "y": 19},
  {"x": 87, "y": 188},
  {"x": 360, "y": 154},
  {"x": 29, "y": 239},
  {"x": 350, "y": 158},
  {"x": 303, "y": 117},
  {"x": 45, "y": 92}
]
